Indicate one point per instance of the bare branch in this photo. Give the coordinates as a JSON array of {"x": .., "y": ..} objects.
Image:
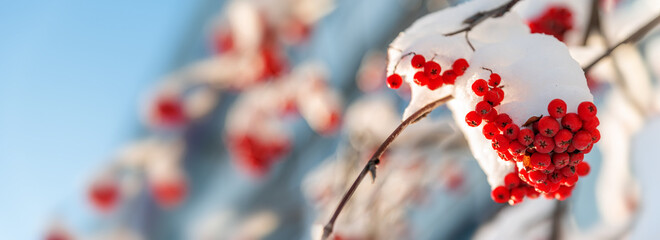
[
  {"x": 479, "y": 17},
  {"x": 594, "y": 21},
  {"x": 557, "y": 216},
  {"x": 375, "y": 159},
  {"x": 634, "y": 37}
]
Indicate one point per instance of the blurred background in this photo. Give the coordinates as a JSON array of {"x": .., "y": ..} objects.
[{"x": 247, "y": 119}]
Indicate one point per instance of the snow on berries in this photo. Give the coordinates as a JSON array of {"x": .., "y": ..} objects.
[
  {"x": 519, "y": 98},
  {"x": 546, "y": 146}
]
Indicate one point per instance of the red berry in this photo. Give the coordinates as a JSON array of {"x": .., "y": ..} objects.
[
  {"x": 531, "y": 192},
  {"x": 549, "y": 169},
  {"x": 555, "y": 21},
  {"x": 548, "y": 126},
  {"x": 434, "y": 84},
  {"x": 563, "y": 192},
  {"x": 459, "y": 66},
  {"x": 557, "y": 108},
  {"x": 581, "y": 140},
  {"x": 168, "y": 111},
  {"x": 555, "y": 177},
  {"x": 544, "y": 144},
  {"x": 568, "y": 171},
  {"x": 418, "y": 61},
  {"x": 576, "y": 158},
  {"x": 595, "y": 135},
  {"x": 500, "y": 142},
  {"x": 480, "y": 87},
  {"x": 519, "y": 158},
  {"x": 169, "y": 193},
  {"x": 394, "y": 81},
  {"x": 432, "y": 69},
  {"x": 591, "y": 123},
  {"x": 543, "y": 187},
  {"x": 582, "y": 169},
  {"x": 587, "y": 110},
  {"x": 516, "y": 149},
  {"x": 490, "y": 130},
  {"x": 511, "y": 180},
  {"x": 500, "y": 94},
  {"x": 421, "y": 79},
  {"x": 494, "y": 80},
  {"x": 502, "y": 121},
  {"x": 570, "y": 181},
  {"x": 511, "y": 131},
  {"x": 571, "y": 122},
  {"x": 104, "y": 195},
  {"x": 492, "y": 97},
  {"x": 504, "y": 154},
  {"x": 523, "y": 175},
  {"x": 500, "y": 194},
  {"x": 491, "y": 116},
  {"x": 563, "y": 138},
  {"x": 483, "y": 108},
  {"x": 539, "y": 161},
  {"x": 526, "y": 136},
  {"x": 554, "y": 186},
  {"x": 560, "y": 160},
  {"x": 449, "y": 77},
  {"x": 473, "y": 119},
  {"x": 588, "y": 149},
  {"x": 518, "y": 194},
  {"x": 537, "y": 176},
  {"x": 560, "y": 149}
]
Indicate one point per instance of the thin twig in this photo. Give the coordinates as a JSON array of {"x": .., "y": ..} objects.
[
  {"x": 375, "y": 159},
  {"x": 557, "y": 215},
  {"x": 479, "y": 17},
  {"x": 594, "y": 22},
  {"x": 634, "y": 37},
  {"x": 467, "y": 39}
]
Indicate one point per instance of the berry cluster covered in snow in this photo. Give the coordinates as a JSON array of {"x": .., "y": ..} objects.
[{"x": 520, "y": 99}]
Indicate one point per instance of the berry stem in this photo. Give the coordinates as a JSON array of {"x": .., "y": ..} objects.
[
  {"x": 479, "y": 17},
  {"x": 467, "y": 39},
  {"x": 401, "y": 58},
  {"x": 371, "y": 165}
]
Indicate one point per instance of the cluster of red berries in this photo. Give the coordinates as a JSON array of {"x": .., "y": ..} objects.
[
  {"x": 430, "y": 73},
  {"x": 548, "y": 151},
  {"x": 257, "y": 156},
  {"x": 555, "y": 21}
]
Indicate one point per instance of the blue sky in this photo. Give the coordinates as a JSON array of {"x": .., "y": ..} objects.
[{"x": 71, "y": 73}]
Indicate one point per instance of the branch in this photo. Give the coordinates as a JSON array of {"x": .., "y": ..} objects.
[
  {"x": 594, "y": 21},
  {"x": 479, "y": 17},
  {"x": 375, "y": 159},
  {"x": 557, "y": 216},
  {"x": 634, "y": 37}
]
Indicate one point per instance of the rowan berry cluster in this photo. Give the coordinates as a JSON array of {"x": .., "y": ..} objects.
[
  {"x": 548, "y": 151},
  {"x": 429, "y": 73},
  {"x": 257, "y": 155},
  {"x": 555, "y": 21}
]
